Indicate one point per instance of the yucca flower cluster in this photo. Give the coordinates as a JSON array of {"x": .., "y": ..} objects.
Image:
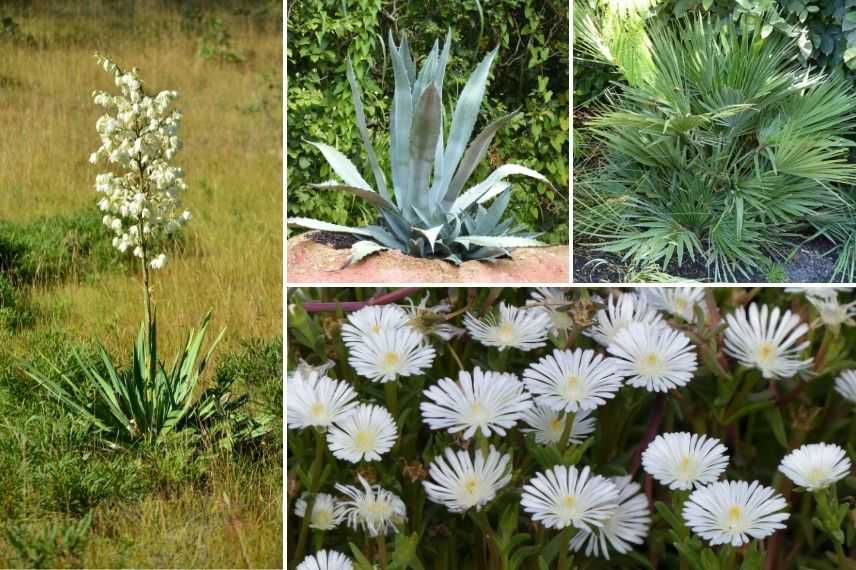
[
  {"x": 141, "y": 199},
  {"x": 502, "y": 418}
]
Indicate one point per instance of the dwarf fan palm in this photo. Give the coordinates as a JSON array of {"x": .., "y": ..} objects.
[
  {"x": 722, "y": 150},
  {"x": 427, "y": 212}
]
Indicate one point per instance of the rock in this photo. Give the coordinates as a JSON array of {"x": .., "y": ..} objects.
[{"x": 311, "y": 263}]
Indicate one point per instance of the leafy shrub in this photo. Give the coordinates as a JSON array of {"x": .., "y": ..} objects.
[
  {"x": 720, "y": 149},
  {"x": 531, "y": 69}
]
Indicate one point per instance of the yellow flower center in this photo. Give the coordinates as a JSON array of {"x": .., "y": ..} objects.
[
  {"x": 734, "y": 516},
  {"x": 317, "y": 410},
  {"x": 376, "y": 328},
  {"x": 680, "y": 304},
  {"x": 505, "y": 333},
  {"x": 573, "y": 388},
  {"x": 766, "y": 353},
  {"x": 364, "y": 440},
  {"x": 391, "y": 359},
  {"x": 651, "y": 365}
]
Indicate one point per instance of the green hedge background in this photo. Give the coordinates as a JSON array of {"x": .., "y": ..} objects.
[{"x": 530, "y": 73}]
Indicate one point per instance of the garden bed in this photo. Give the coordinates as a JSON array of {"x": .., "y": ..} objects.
[{"x": 312, "y": 262}]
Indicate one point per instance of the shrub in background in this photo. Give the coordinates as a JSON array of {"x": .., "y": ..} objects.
[{"x": 531, "y": 68}]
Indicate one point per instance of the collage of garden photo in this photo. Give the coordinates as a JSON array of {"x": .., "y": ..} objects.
[{"x": 421, "y": 285}]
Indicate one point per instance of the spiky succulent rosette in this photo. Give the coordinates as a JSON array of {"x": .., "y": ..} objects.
[{"x": 427, "y": 212}]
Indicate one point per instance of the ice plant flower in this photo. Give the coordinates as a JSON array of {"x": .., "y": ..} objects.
[
  {"x": 816, "y": 466},
  {"x": 372, "y": 321},
  {"x": 432, "y": 320},
  {"x": 655, "y": 357},
  {"x": 521, "y": 328},
  {"x": 735, "y": 512},
  {"x": 564, "y": 496},
  {"x": 363, "y": 435},
  {"x": 833, "y": 313},
  {"x": 326, "y": 560},
  {"x": 459, "y": 483},
  {"x": 619, "y": 312},
  {"x": 316, "y": 400},
  {"x": 372, "y": 508},
  {"x": 390, "y": 354},
  {"x": 678, "y": 301},
  {"x": 845, "y": 385},
  {"x": 327, "y": 512},
  {"x": 767, "y": 340},
  {"x": 685, "y": 460},
  {"x": 553, "y": 302},
  {"x": 141, "y": 201},
  {"x": 548, "y": 425},
  {"x": 572, "y": 380},
  {"x": 628, "y": 525},
  {"x": 486, "y": 402}
]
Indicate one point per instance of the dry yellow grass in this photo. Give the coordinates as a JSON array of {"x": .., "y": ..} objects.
[{"x": 232, "y": 158}]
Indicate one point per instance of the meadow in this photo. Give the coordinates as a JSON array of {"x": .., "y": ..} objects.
[{"x": 73, "y": 499}]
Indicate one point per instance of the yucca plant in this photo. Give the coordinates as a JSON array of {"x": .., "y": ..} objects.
[
  {"x": 725, "y": 149},
  {"x": 426, "y": 212}
]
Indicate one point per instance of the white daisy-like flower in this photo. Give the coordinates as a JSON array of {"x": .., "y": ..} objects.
[
  {"x": 816, "y": 466},
  {"x": 767, "y": 340},
  {"x": 735, "y": 512},
  {"x": 845, "y": 385},
  {"x": 489, "y": 402},
  {"x": 372, "y": 508},
  {"x": 685, "y": 460},
  {"x": 818, "y": 292},
  {"x": 459, "y": 483},
  {"x": 326, "y": 560},
  {"x": 627, "y": 526},
  {"x": 564, "y": 496},
  {"x": 678, "y": 301},
  {"x": 572, "y": 380},
  {"x": 315, "y": 400},
  {"x": 363, "y": 435},
  {"x": 553, "y": 302},
  {"x": 619, "y": 312},
  {"x": 327, "y": 512},
  {"x": 432, "y": 320},
  {"x": 391, "y": 354},
  {"x": 373, "y": 320},
  {"x": 655, "y": 357},
  {"x": 548, "y": 425},
  {"x": 521, "y": 328},
  {"x": 833, "y": 313}
]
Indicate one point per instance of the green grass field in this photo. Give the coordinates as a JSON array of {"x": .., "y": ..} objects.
[{"x": 68, "y": 499}]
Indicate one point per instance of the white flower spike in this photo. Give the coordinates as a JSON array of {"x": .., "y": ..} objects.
[
  {"x": 573, "y": 380},
  {"x": 654, "y": 357},
  {"x": 486, "y": 402},
  {"x": 735, "y": 512},
  {"x": 629, "y": 524},
  {"x": 139, "y": 135},
  {"x": 372, "y": 508},
  {"x": 459, "y": 483},
  {"x": 816, "y": 466},
  {"x": 363, "y": 435},
  {"x": 768, "y": 340},
  {"x": 564, "y": 496},
  {"x": 390, "y": 354},
  {"x": 521, "y": 328},
  {"x": 683, "y": 460}
]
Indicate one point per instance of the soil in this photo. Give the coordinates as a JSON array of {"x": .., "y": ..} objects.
[
  {"x": 808, "y": 265},
  {"x": 335, "y": 240}
]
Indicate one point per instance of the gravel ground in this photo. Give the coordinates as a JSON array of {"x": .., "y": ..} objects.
[{"x": 808, "y": 265}]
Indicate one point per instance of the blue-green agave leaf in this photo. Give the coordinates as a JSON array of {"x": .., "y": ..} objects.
[
  {"x": 472, "y": 195},
  {"x": 361, "y": 250},
  {"x": 431, "y": 235},
  {"x": 343, "y": 167},
  {"x": 357, "y": 96},
  {"x": 498, "y": 241},
  {"x": 368, "y": 195},
  {"x": 423, "y": 141},
  {"x": 400, "y": 119}
]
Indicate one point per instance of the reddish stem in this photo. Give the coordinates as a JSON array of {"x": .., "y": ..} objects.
[
  {"x": 654, "y": 422},
  {"x": 391, "y": 297}
]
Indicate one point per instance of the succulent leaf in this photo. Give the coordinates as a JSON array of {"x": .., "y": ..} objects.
[
  {"x": 343, "y": 167},
  {"x": 357, "y": 96},
  {"x": 423, "y": 140}
]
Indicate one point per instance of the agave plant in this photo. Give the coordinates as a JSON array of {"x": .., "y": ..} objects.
[
  {"x": 724, "y": 150},
  {"x": 427, "y": 212}
]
